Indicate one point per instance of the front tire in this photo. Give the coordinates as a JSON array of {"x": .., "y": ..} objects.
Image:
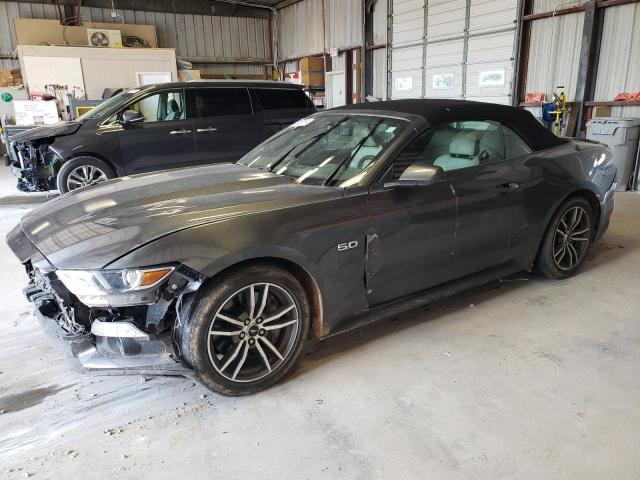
[
  {"x": 247, "y": 329},
  {"x": 567, "y": 240},
  {"x": 81, "y": 172}
]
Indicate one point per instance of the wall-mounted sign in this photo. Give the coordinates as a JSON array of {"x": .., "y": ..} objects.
[
  {"x": 443, "y": 81},
  {"x": 404, "y": 83},
  {"x": 333, "y": 52},
  {"x": 492, "y": 78}
]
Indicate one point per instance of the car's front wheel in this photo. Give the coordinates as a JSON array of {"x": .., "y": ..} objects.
[
  {"x": 568, "y": 238},
  {"x": 82, "y": 172},
  {"x": 247, "y": 329}
]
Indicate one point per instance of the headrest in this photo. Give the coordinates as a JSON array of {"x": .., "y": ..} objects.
[
  {"x": 464, "y": 144},
  {"x": 173, "y": 106}
]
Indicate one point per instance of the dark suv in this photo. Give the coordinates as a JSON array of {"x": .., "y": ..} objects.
[{"x": 155, "y": 127}]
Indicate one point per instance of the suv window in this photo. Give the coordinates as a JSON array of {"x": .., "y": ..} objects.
[
  {"x": 280, "y": 98},
  {"x": 216, "y": 102},
  {"x": 457, "y": 145},
  {"x": 161, "y": 107}
]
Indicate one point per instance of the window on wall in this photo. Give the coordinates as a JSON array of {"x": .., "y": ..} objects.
[
  {"x": 161, "y": 107},
  {"x": 216, "y": 102},
  {"x": 458, "y": 145}
]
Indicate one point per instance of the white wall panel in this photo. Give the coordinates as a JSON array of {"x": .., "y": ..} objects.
[
  {"x": 464, "y": 39},
  {"x": 406, "y": 72},
  {"x": 492, "y": 15},
  {"x": 408, "y": 22},
  {"x": 445, "y": 18},
  {"x": 619, "y": 63},
  {"x": 554, "y": 54},
  {"x": 444, "y": 58}
]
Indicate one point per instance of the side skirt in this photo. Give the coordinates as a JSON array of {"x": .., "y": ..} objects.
[{"x": 411, "y": 302}]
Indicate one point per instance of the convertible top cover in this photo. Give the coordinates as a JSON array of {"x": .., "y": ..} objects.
[{"x": 436, "y": 111}]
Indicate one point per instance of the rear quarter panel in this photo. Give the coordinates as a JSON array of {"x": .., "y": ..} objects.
[{"x": 550, "y": 176}]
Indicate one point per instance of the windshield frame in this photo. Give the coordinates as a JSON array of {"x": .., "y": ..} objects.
[{"x": 414, "y": 125}]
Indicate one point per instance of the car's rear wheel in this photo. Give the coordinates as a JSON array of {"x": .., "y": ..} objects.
[
  {"x": 247, "y": 330},
  {"x": 82, "y": 172},
  {"x": 568, "y": 238}
]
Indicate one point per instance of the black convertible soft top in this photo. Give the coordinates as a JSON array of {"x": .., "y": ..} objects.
[{"x": 440, "y": 110}]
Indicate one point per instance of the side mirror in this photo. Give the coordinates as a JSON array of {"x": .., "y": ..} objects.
[
  {"x": 131, "y": 116},
  {"x": 419, "y": 174}
]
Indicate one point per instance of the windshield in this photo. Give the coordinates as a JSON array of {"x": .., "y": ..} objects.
[
  {"x": 113, "y": 102},
  {"x": 327, "y": 149}
]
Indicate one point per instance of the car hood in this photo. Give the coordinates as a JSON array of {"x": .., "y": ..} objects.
[
  {"x": 57, "y": 130},
  {"x": 92, "y": 227}
]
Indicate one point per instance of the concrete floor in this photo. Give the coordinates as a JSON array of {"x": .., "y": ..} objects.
[{"x": 526, "y": 379}]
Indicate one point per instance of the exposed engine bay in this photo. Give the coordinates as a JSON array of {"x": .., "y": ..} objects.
[{"x": 34, "y": 163}]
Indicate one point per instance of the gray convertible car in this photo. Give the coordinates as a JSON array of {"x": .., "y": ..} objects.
[{"x": 342, "y": 218}]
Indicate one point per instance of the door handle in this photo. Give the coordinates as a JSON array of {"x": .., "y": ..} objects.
[
  {"x": 206, "y": 130},
  {"x": 507, "y": 187},
  {"x": 179, "y": 132}
]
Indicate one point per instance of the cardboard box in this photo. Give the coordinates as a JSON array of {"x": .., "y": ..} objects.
[
  {"x": 601, "y": 111},
  {"x": 9, "y": 78},
  {"x": 312, "y": 64},
  {"x": 186, "y": 75},
  {"x": 312, "y": 79},
  {"x": 31, "y": 31}
]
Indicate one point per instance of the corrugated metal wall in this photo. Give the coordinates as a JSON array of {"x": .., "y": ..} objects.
[
  {"x": 300, "y": 30},
  {"x": 541, "y": 6},
  {"x": 380, "y": 21},
  {"x": 554, "y": 54},
  {"x": 201, "y": 39},
  {"x": 344, "y": 20},
  {"x": 619, "y": 58},
  {"x": 448, "y": 48},
  {"x": 300, "y": 27}
]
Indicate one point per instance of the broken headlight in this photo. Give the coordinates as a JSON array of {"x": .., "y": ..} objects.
[{"x": 115, "y": 288}]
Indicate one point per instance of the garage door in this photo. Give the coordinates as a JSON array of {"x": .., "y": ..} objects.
[{"x": 453, "y": 49}]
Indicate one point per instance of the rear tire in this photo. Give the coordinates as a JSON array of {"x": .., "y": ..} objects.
[
  {"x": 566, "y": 243},
  {"x": 81, "y": 172},
  {"x": 236, "y": 349}
]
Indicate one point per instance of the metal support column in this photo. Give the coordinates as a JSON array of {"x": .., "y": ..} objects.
[{"x": 588, "y": 63}]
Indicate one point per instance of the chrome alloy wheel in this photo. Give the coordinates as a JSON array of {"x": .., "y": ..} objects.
[
  {"x": 571, "y": 239},
  {"x": 253, "y": 332},
  {"x": 85, "y": 175}
]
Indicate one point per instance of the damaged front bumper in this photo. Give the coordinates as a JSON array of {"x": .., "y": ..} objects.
[
  {"x": 34, "y": 166},
  {"x": 126, "y": 340},
  {"x": 108, "y": 352}
]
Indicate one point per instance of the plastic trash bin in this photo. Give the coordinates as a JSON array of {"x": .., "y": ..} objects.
[{"x": 621, "y": 135}]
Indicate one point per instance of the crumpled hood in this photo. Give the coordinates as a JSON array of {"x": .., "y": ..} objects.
[
  {"x": 57, "y": 130},
  {"x": 91, "y": 227}
]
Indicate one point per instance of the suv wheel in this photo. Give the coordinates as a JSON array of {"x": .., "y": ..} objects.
[
  {"x": 567, "y": 240},
  {"x": 246, "y": 330},
  {"x": 82, "y": 172}
]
